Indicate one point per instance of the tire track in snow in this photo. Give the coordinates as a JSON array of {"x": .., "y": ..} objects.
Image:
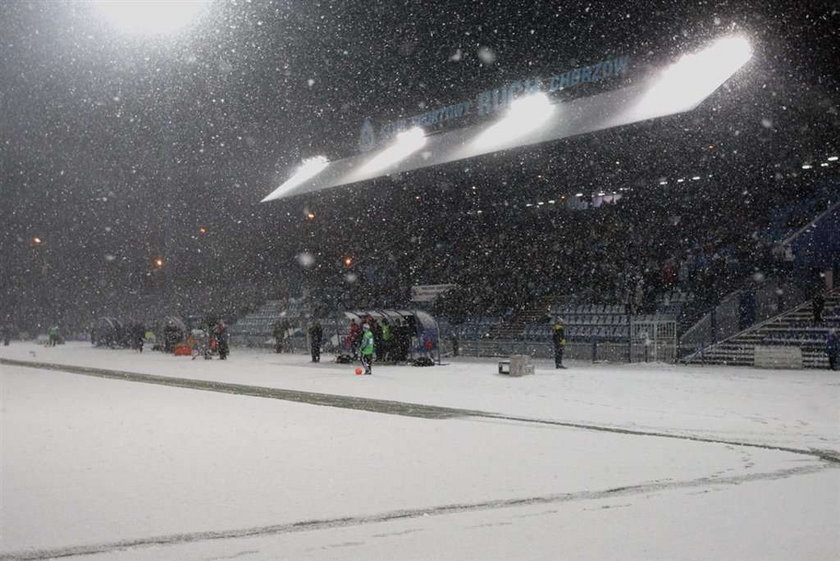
[
  {"x": 394, "y": 407},
  {"x": 330, "y": 523}
]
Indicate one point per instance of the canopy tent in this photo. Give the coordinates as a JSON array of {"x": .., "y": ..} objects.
[
  {"x": 107, "y": 332},
  {"x": 415, "y": 332}
]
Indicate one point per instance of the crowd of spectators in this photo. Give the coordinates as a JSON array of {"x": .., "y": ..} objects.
[
  {"x": 694, "y": 239},
  {"x": 366, "y": 248}
]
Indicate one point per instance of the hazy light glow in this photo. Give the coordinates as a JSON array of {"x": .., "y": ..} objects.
[
  {"x": 307, "y": 170},
  {"x": 694, "y": 77},
  {"x": 150, "y": 16},
  {"x": 407, "y": 143},
  {"x": 525, "y": 115}
]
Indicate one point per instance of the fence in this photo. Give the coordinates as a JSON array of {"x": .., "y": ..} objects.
[{"x": 653, "y": 339}]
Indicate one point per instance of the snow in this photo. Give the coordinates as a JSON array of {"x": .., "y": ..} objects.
[{"x": 125, "y": 470}]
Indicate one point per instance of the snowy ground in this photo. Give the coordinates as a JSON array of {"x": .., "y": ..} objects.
[{"x": 664, "y": 462}]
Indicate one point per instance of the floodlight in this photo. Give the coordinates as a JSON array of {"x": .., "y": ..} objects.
[
  {"x": 534, "y": 119},
  {"x": 150, "y": 16},
  {"x": 694, "y": 77},
  {"x": 526, "y": 114},
  {"x": 407, "y": 143},
  {"x": 307, "y": 170}
]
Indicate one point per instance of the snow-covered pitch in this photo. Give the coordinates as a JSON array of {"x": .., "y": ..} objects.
[{"x": 642, "y": 461}]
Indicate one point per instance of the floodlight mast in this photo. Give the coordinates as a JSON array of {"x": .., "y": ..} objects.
[{"x": 680, "y": 87}]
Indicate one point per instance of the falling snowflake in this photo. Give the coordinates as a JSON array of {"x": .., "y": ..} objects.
[{"x": 487, "y": 55}]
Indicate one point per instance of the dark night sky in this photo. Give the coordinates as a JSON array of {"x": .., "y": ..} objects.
[{"x": 117, "y": 148}]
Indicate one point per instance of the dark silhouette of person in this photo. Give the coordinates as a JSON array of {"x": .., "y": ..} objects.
[{"x": 316, "y": 334}]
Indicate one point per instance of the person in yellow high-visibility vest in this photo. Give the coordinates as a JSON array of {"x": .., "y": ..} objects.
[{"x": 558, "y": 337}]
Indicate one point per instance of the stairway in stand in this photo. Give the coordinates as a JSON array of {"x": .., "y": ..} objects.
[
  {"x": 514, "y": 328},
  {"x": 792, "y": 328}
]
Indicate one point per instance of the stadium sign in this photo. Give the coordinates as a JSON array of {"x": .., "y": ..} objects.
[
  {"x": 492, "y": 101},
  {"x": 429, "y": 292}
]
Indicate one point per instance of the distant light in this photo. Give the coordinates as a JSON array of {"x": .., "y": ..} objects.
[
  {"x": 691, "y": 79},
  {"x": 680, "y": 180},
  {"x": 540, "y": 203},
  {"x": 695, "y": 178},
  {"x": 832, "y": 158},
  {"x": 824, "y": 164},
  {"x": 37, "y": 241},
  {"x": 551, "y": 201},
  {"x": 150, "y": 16},
  {"x": 579, "y": 195},
  {"x": 807, "y": 166},
  {"x": 526, "y": 114},
  {"x": 405, "y": 144},
  {"x": 600, "y": 194},
  {"x": 310, "y": 216},
  {"x": 348, "y": 261},
  {"x": 529, "y": 204},
  {"x": 202, "y": 230},
  {"x": 663, "y": 182},
  {"x": 158, "y": 262},
  {"x": 307, "y": 170}
]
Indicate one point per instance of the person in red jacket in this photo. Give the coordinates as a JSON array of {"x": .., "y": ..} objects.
[{"x": 355, "y": 338}]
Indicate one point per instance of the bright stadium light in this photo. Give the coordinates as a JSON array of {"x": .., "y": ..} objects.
[
  {"x": 407, "y": 143},
  {"x": 526, "y": 114},
  {"x": 307, "y": 170},
  {"x": 150, "y": 16},
  {"x": 694, "y": 77}
]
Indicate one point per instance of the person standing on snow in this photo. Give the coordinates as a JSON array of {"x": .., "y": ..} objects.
[
  {"x": 220, "y": 331},
  {"x": 386, "y": 340},
  {"x": 355, "y": 338},
  {"x": 558, "y": 337},
  {"x": 316, "y": 333},
  {"x": 53, "y": 336},
  {"x": 366, "y": 349}
]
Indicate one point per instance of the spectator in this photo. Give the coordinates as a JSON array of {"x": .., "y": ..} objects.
[{"x": 818, "y": 307}]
